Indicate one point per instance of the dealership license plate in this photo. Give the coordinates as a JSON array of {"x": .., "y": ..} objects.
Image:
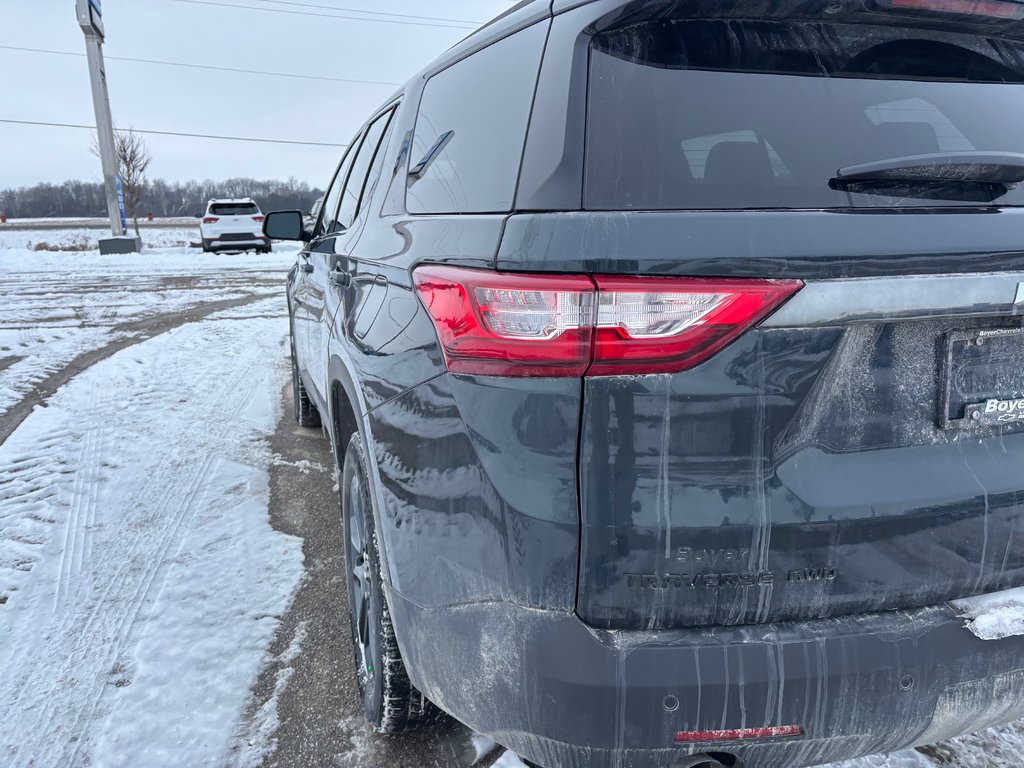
[{"x": 983, "y": 379}]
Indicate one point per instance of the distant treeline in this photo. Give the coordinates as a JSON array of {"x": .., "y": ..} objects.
[{"x": 161, "y": 198}]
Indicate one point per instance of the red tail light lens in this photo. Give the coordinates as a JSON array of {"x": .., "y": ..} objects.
[
  {"x": 660, "y": 325},
  {"x": 572, "y": 325},
  {"x": 509, "y": 325},
  {"x": 738, "y": 734},
  {"x": 210, "y": 219},
  {"x": 257, "y": 218}
]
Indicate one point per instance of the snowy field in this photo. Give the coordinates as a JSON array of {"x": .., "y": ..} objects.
[{"x": 142, "y": 584}]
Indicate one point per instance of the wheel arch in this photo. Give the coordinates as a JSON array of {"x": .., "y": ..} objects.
[
  {"x": 344, "y": 420},
  {"x": 346, "y": 410},
  {"x": 348, "y": 416}
]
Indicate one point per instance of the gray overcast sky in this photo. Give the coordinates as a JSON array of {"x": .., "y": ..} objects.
[{"x": 56, "y": 88}]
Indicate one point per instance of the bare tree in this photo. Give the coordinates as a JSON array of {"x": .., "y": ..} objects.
[{"x": 133, "y": 161}]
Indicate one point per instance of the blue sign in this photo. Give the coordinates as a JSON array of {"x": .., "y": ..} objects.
[
  {"x": 96, "y": 6},
  {"x": 120, "y": 205}
]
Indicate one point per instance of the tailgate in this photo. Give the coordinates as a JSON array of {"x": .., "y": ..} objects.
[
  {"x": 861, "y": 449},
  {"x": 817, "y": 467}
]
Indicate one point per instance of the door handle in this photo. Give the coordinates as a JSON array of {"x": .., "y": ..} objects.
[
  {"x": 306, "y": 267},
  {"x": 341, "y": 278}
]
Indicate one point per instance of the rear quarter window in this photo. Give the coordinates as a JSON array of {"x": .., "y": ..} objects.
[{"x": 485, "y": 100}]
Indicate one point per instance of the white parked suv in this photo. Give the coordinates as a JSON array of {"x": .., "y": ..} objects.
[{"x": 233, "y": 225}]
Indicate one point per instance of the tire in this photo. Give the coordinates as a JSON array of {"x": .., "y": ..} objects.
[
  {"x": 391, "y": 703},
  {"x": 306, "y": 413}
]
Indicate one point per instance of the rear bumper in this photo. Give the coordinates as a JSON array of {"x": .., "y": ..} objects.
[
  {"x": 237, "y": 243},
  {"x": 563, "y": 695}
]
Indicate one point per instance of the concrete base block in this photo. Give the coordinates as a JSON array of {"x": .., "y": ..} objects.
[{"x": 126, "y": 244}]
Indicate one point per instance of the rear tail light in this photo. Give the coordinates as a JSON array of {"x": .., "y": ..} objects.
[
  {"x": 569, "y": 325},
  {"x": 509, "y": 325},
  {"x": 1000, "y": 9},
  {"x": 738, "y": 734},
  {"x": 661, "y": 325},
  {"x": 210, "y": 219},
  {"x": 257, "y": 218}
]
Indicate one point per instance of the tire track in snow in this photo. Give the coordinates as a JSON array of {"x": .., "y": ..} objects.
[
  {"x": 164, "y": 492},
  {"x": 60, "y": 690},
  {"x": 77, "y": 529},
  {"x": 186, "y": 510}
]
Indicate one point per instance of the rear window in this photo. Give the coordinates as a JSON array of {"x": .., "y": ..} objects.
[
  {"x": 234, "y": 209},
  {"x": 710, "y": 114}
]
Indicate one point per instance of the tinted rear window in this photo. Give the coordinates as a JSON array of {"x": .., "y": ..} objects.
[
  {"x": 234, "y": 209},
  {"x": 755, "y": 114}
]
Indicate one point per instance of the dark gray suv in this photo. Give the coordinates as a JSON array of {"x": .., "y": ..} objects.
[{"x": 673, "y": 354}]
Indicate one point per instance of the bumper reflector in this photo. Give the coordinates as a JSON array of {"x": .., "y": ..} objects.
[{"x": 738, "y": 734}]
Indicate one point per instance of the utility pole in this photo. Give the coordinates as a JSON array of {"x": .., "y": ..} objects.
[{"x": 90, "y": 19}]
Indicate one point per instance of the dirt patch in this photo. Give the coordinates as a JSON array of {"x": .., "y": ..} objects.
[
  {"x": 81, "y": 245},
  {"x": 7, "y": 362}
]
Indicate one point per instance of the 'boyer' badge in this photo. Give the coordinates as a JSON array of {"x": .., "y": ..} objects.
[{"x": 994, "y": 412}]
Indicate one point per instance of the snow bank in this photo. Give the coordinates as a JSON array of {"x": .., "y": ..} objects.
[
  {"x": 73, "y": 238},
  {"x": 994, "y": 616}
]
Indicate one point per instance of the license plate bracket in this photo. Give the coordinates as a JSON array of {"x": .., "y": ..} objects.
[{"x": 983, "y": 380}]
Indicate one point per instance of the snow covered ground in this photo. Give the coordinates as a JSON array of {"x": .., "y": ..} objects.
[
  {"x": 141, "y": 582},
  {"x": 141, "y": 578},
  {"x": 55, "y": 306}
]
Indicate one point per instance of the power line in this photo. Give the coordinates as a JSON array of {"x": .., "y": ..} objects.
[
  {"x": 179, "y": 133},
  {"x": 326, "y": 15},
  {"x": 202, "y": 66},
  {"x": 369, "y": 13}
]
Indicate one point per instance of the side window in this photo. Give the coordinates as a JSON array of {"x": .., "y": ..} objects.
[
  {"x": 360, "y": 168},
  {"x": 471, "y": 128},
  {"x": 329, "y": 209}
]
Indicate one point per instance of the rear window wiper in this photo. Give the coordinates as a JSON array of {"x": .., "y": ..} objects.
[
  {"x": 987, "y": 167},
  {"x": 968, "y": 176}
]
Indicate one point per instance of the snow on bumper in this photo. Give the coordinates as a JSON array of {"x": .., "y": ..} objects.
[
  {"x": 994, "y": 616},
  {"x": 562, "y": 694}
]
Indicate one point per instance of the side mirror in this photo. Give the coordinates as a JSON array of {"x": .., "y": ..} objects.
[{"x": 285, "y": 225}]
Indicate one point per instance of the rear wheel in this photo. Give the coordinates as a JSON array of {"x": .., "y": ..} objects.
[
  {"x": 390, "y": 701},
  {"x": 306, "y": 413}
]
